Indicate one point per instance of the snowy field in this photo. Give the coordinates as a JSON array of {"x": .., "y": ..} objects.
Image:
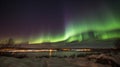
[
  {"x": 64, "y": 60},
  {"x": 49, "y": 62}
]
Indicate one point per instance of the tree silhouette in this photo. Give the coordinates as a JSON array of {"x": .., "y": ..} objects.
[
  {"x": 10, "y": 41},
  {"x": 117, "y": 43}
]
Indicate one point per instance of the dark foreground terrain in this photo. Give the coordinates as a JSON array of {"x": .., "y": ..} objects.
[{"x": 87, "y": 61}]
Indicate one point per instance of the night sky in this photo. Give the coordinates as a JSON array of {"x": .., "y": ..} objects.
[{"x": 40, "y": 21}]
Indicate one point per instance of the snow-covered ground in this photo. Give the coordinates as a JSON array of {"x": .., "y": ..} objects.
[
  {"x": 35, "y": 60},
  {"x": 48, "y": 62}
]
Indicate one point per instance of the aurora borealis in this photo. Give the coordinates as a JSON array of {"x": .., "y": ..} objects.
[{"x": 56, "y": 21}]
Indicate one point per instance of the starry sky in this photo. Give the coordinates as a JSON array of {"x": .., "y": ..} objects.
[{"x": 40, "y": 21}]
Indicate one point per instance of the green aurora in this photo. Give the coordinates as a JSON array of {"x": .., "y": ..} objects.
[
  {"x": 74, "y": 32},
  {"x": 78, "y": 30},
  {"x": 99, "y": 23}
]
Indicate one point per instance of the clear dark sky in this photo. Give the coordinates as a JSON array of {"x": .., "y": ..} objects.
[{"x": 25, "y": 18}]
